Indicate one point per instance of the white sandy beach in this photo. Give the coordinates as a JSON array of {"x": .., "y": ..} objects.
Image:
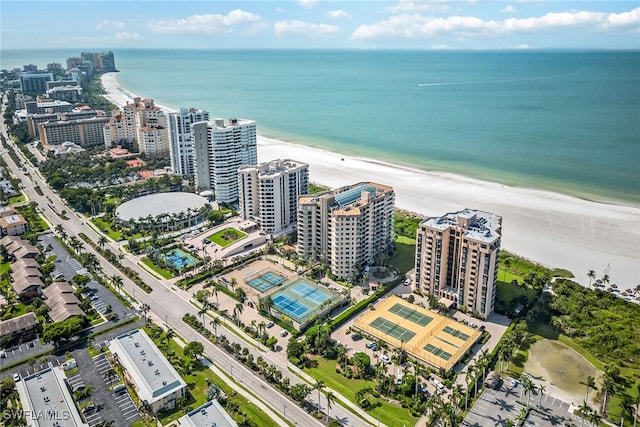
[{"x": 554, "y": 229}]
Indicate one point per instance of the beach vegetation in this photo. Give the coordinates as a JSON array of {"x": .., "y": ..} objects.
[{"x": 92, "y": 92}]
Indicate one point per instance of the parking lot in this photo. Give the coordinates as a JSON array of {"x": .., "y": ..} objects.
[
  {"x": 122, "y": 399},
  {"x": 495, "y": 407}
]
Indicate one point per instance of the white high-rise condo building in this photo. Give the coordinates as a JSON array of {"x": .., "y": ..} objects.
[
  {"x": 348, "y": 227},
  {"x": 268, "y": 193},
  {"x": 457, "y": 258},
  {"x": 180, "y": 135},
  {"x": 220, "y": 148}
]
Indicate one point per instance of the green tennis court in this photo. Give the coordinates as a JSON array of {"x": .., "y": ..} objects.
[
  {"x": 437, "y": 351},
  {"x": 456, "y": 333},
  {"x": 396, "y": 331},
  {"x": 411, "y": 315}
]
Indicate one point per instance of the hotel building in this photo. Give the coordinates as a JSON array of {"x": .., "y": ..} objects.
[
  {"x": 268, "y": 193},
  {"x": 220, "y": 149},
  {"x": 34, "y": 82},
  {"x": 180, "y": 136},
  {"x": 457, "y": 258},
  {"x": 156, "y": 382},
  {"x": 347, "y": 227},
  {"x": 84, "y": 132}
]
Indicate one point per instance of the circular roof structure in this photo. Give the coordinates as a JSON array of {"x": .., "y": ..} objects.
[{"x": 159, "y": 204}]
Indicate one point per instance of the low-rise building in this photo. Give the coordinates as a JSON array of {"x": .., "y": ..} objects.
[
  {"x": 13, "y": 225},
  {"x": 62, "y": 301},
  {"x": 46, "y": 400},
  {"x": 21, "y": 328},
  {"x": 208, "y": 415},
  {"x": 156, "y": 382}
]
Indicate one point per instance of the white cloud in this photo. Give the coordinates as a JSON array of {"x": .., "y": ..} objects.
[
  {"x": 338, "y": 14},
  {"x": 416, "y": 26},
  {"x": 308, "y": 4},
  {"x": 625, "y": 19},
  {"x": 203, "y": 24},
  {"x": 509, "y": 9},
  {"x": 124, "y": 35},
  {"x": 418, "y": 5},
  {"x": 110, "y": 25},
  {"x": 300, "y": 28},
  {"x": 523, "y": 46},
  {"x": 256, "y": 28}
]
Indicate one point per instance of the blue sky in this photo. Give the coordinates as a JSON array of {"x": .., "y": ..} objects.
[{"x": 398, "y": 24}]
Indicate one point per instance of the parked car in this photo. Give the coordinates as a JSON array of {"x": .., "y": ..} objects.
[
  {"x": 270, "y": 325},
  {"x": 284, "y": 333},
  {"x": 3, "y": 354},
  {"x": 89, "y": 408},
  {"x": 16, "y": 377},
  {"x": 356, "y": 337},
  {"x": 372, "y": 345},
  {"x": 385, "y": 359},
  {"x": 119, "y": 388}
]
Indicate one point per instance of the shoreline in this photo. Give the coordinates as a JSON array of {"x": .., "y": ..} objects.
[{"x": 550, "y": 228}]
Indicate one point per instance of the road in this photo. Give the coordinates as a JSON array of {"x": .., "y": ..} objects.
[{"x": 171, "y": 306}]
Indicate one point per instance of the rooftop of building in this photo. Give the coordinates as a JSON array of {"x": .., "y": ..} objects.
[
  {"x": 160, "y": 204},
  {"x": 211, "y": 414},
  {"x": 478, "y": 225},
  {"x": 46, "y": 397},
  {"x": 274, "y": 167},
  {"x": 12, "y": 220},
  {"x": 25, "y": 321},
  {"x": 147, "y": 367}
]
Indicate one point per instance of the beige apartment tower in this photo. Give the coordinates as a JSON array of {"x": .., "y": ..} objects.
[
  {"x": 268, "y": 193},
  {"x": 457, "y": 258},
  {"x": 347, "y": 227}
]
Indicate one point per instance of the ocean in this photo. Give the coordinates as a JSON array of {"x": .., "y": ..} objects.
[{"x": 565, "y": 121}]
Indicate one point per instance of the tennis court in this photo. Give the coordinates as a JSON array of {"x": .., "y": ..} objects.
[
  {"x": 302, "y": 300},
  {"x": 425, "y": 335},
  {"x": 456, "y": 333},
  {"x": 411, "y": 315},
  {"x": 265, "y": 281},
  {"x": 396, "y": 331}
]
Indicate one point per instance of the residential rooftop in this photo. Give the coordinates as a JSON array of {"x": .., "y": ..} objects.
[
  {"x": 477, "y": 225},
  {"x": 211, "y": 414}
]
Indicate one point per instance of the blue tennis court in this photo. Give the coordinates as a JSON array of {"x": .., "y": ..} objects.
[
  {"x": 288, "y": 306},
  {"x": 265, "y": 281},
  {"x": 302, "y": 300}
]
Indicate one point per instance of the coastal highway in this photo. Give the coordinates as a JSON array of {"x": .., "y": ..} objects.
[{"x": 170, "y": 306}]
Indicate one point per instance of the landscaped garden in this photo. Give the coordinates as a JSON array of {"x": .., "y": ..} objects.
[{"x": 226, "y": 237}]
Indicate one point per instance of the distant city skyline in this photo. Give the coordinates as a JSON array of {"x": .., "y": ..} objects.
[{"x": 399, "y": 24}]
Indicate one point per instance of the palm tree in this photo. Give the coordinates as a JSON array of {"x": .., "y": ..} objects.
[
  {"x": 584, "y": 410},
  {"x": 591, "y": 275},
  {"x": 319, "y": 385},
  {"x": 116, "y": 282},
  {"x": 144, "y": 308},
  {"x": 102, "y": 240},
  {"x": 530, "y": 388},
  {"x": 590, "y": 383},
  {"x": 61, "y": 231},
  {"x": 331, "y": 397},
  {"x": 214, "y": 324},
  {"x": 509, "y": 423},
  {"x": 203, "y": 310},
  {"x": 467, "y": 380},
  {"x": 605, "y": 279},
  {"x": 417, "y": 372},
  {"x": 541, "y": 390},
  {"x": 609, "y": 388},
  {"x": 596, "y": 419},
  {"x": 237, "y": 311},
  {"x": 636, "y": 402},
  {"x": 169, "y": 333}
]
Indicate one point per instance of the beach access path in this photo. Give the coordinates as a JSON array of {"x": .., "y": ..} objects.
[{"x": 553, "y": 229}]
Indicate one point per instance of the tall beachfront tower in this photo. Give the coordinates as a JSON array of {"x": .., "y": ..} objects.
[
  {"x": 147, "y": 124},
  {"x": 457, "y": 258},
  {"x": 347, "y": 227},
  {"x": 181, "y": 147},
  {"x": 220, "y": 148},
  {"x": 268, "y": 193}
]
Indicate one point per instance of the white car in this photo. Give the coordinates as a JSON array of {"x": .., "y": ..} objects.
[
  {"x": 16, "y": 377},
  {"x": 385, "y": 359}
]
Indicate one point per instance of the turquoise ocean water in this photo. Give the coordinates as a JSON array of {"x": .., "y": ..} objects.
[{"x": 559, "y": 120}]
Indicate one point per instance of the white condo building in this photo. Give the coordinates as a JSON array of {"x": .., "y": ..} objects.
[
  {"x": 221, "y": 147},
  {"x": 180, "y": 135},
  {"x": 347, "y": 227},
  {"x": 457, "y": 258},
  {"x": 268, "y": 193}
]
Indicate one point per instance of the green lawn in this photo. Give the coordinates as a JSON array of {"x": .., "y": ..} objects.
[
  {"x": 404, "y": 257},
  {"x": 508, "y": 277},
  {"x": 507, "y": 292},
  {"x": 227, "y": 236},
  {"x": 16, "y": 199},
  {"x": 105, "y": 227},
  {"x": 162, "y": 272},
  {"x": 385, "y": 412}
]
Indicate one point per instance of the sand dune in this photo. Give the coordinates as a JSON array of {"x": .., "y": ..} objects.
[{"x": 554, "y": 229}]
